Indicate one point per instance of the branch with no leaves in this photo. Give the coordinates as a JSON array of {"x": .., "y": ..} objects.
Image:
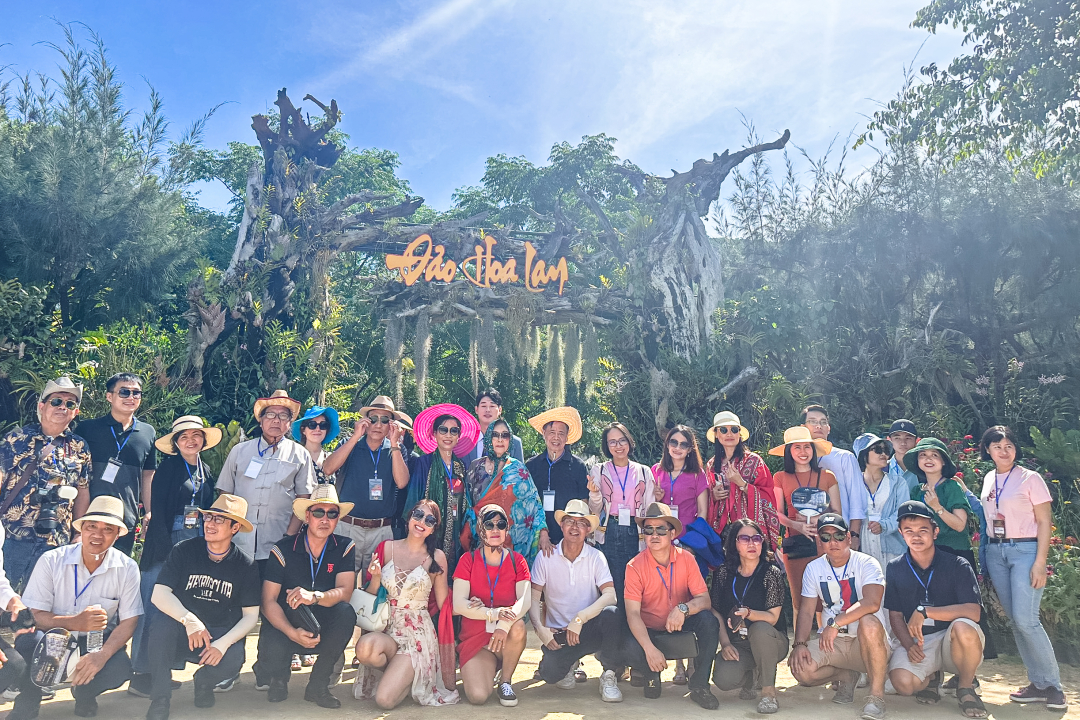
[{"x": 708, "y": 175}]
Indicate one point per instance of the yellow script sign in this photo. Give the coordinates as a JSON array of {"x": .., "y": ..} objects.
[{"x": 424, "y": 258}]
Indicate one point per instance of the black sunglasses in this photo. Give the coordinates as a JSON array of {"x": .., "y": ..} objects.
[
  {"x": 837, "y": 535},
  {"x": 750, "y": 539},
  {"x": 129, "y": 392},
  {"x": 317, "y": 425},
  {"x": 679, "y": 444},
  {"x": 379, "y": 419},
  {"x": 725, "y": 429},
  {"x": 69, "y": 404},
  {"x": 426, "y": 518},
  {"x": 506, "y": 435},
  {"x": 650, "y": 530},
  {"x": 881, "y": 449},
  {"x": 319, "y": 512},
  {"x": 499, "y": 524},
  {"x": 447, "y": 430}
]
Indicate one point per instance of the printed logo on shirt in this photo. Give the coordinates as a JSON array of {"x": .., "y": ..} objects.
[
  {"x": 329, "y": 567},
  {"x": 848, "y": 594},
  {"x": 206, "y": 587}
]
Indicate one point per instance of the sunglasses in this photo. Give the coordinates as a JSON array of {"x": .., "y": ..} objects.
[
  {"x": 317, "y": 425},
  {"x": 750, "y": 539},
  {"x": 725, "y": 429},
  {"x": 679, "y": 444},
  {"x": 880, "y": 450},
  {"x": 320, "y": 513},
  {"x": 495, "y": 524},
  {"x": 650, "y": 530},
  {"x": 838, "y": 536},
  {"x": 423, "y": 517},
  {"x": 379, "y": 419},
  {"x": 446, "y": 430},
  {"x": 215, "y": 519},
  {"x": 502, "y": 435},
  {"x": 277, "y": 416},
  {"x": 69, "y": 404},
  {"x": 129, "y": 392}
]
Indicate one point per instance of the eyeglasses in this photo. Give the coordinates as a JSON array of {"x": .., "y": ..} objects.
[
  {"x": 316, "y": 425},
  {"x": 725, "y": 429},
  {"x": 286, "y": 416},
  {"x": 817, "y": 423},
  {"x": 320, "y": 513},
  {"x": 126, "y": 392},
  {"x": 580, "y": 522},
  {"x": 216, "y": 519},
  {"x": 379, "y": 419},
  {"x": 651, "y": 530},
  {"x": 838, "y": 536},
  {"x": 445, "y": 430},
  {"x": 495, "y": 525},
  {"x": 426, "y": 518},
  {"x": 619, "y": 442},
  {"x": 69, "y": 404},
  {"x": 673, "y": 443},
  {"x": 502, "y": 435},
  {"x": 561, "y": 434},
  {"x": 880, "y": 450},
  {"x": 750, "y": 539}
]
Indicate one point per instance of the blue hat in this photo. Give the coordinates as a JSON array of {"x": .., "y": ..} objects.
[
  {"x": 863, "y": 443},
  {"x": 314, "y": 412}
]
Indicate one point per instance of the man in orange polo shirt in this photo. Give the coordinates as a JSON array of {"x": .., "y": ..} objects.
[{"x": 666, "y": 600}]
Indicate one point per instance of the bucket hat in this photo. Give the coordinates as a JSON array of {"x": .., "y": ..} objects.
[
  {"x": 313, "y": 412},
  {"x": 911, "y": 458},
  {"x": 726, "y": 418}
]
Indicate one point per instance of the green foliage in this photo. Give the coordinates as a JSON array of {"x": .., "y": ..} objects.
[{"x": 1058, "y": 451}]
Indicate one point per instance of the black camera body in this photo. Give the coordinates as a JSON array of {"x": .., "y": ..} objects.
[{"x": 50, "y": 499}]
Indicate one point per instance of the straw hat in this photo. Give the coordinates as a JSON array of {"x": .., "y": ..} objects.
[
  {"x": 233, "y": 507},
  {"x": 726, "y": 418},
  {"x": 106, "y": 509},
  {"x": 423, "y": 430},
  {"x": 62, "y": 384},
  {"x": 578, "y": 509},
  {"x": 566, "y": 415},
  {"x": 278, "y": 397},
  {"x": 801, "y": 434},
  {"x": 660, "y": 511},
  {"x": 325, "y": 494},
  {"x": 188, "y": 422}
]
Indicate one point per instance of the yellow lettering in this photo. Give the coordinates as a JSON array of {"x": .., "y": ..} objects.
[
  {"x": 409, "y": 265},
  {"x": 478, "y": 267}
]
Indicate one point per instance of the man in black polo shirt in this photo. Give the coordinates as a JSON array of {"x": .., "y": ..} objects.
[
  {"x": 122, "y": 450},
  {"x": 559, "y": 475},
  {"x": 934, "y": 608},
  {"x": 368, "y": 475},
  {"x": 312, "y": 569}
]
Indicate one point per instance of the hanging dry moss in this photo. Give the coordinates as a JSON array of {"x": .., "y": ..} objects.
[
  {"x": 572, "y": 354},
  {"x": 474, "y": 360},
  {"x": 489, "y": 350},
  {"x": 555, "y": 379},
  {"x": 590, "y": 357},
  {"x": 520, "y": 311},
  {"x": 392, "y": 352},
  {"x": 421, "y": 351}
]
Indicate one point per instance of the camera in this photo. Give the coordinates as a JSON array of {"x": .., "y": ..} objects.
[{"x": 50, "y": 500}]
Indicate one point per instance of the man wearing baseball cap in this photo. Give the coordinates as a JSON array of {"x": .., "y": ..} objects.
[
  {"x": 852, "y": 640},
  {"x": 903, "y": 437},
  {"x": 934, "y": 608}
]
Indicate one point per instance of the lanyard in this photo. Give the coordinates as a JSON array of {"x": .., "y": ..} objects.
[
  {"x": 498, "y": 574},
  {"x": 873, "y": 494},
  {"x": 998, "y": 491},
  {"x": 622, "y": 481},
  {"x": 672, "y": 488},
  {"x": 79, "y": 593},
  {"x": 449, "y": 471},
  {"x": 375, "y": 459},
  {"x": 925, "y": 585},
  {"x": 258, "y": 446},
  {"x": 843, "y": 574},
  {"x": 127, "y": 436},
  {"x": 196, "y": 479},
  {"x": 550, "y": 464},
  {"x": 739, "y": 598},
  {"x": 671, "y": 578},
  {"x": 311, "y": 561}
]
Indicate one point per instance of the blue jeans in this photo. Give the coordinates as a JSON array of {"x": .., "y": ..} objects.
[
  {"x": 1009, "y": 565},
  {"x": 140, "y": 641},
  {"x": 20, "y": 557}
]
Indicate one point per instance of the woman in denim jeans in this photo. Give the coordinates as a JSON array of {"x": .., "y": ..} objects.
[{"x": 1017, "y": 506}]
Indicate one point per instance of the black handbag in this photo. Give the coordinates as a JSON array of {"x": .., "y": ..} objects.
[
  {"x": 799, "y": 547},
  {"x": 677, "y": 645},
  {"x": 307, "y": 620}
]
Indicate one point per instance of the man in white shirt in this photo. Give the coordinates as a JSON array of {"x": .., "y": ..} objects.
[
  {"x": 845, "y": 466},
  {"x": 577, "y": 617}
]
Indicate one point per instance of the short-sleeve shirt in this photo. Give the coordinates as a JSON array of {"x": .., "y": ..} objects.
[
  {"x": 839, "y": 588},
  {"x": 949, "y": 581},
  {"x": 659, "y": 589},
  {"x": 1019, "y": 494},
  {"x": 567, "y": 477},
  {"x": 354, "y": 481},
  {"x": 114, "y": 586},
  {"x": 216, "y": 592},
  {"x": 787, "y": 483},
  {"x": 680, "y": 491},
  {"x": 67, "y": 462},
  {"x": 494, "y": 585},
  {"x": 569, "y": 587},
  {"x": 285, "y": 472},
  {"x": 106, "y": 438},
  {"x": 290, "y": 565},
  {"x": 762, "y": 591},
  {"x": 845, "y": 468},
  {"x": 951, "y": 496}
]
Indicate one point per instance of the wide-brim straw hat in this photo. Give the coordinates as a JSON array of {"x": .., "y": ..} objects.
[
  {"x": 188, "y": 422},
  {"x": 383, "y": 403},
  {"x": 325, "y": 494},
  {"x": 567, "y": 415},
  {"x": 801, "y": 434},
  {"x": 425, "y": 426},
  {"x": 313, "y": 412},
  {"x": 727, "y": 418},
  {"x": 233, "y": 507},
  {"x": 660, "y": 511},
  {"x": 278, "y": 397},
  {"x": 578, "y": 509},
  {"x": 106, "y": 509}
]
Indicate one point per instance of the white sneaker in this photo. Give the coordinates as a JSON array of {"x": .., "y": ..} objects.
[
  {"x": 609, "y": 687},
  {"x": 864, "y": 680},
  {"x": 568, "y": 682},
  {"x": 889, "y": 689}
]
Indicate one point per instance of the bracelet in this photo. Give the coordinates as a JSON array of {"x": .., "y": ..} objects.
[{"x": 798, "y": 643}]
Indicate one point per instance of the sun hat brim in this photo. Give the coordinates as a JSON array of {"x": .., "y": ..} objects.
[
  {"x": 331, "y": 416},
  {"x": 423, "y": 428},
  {"x": 567, "y": 415},
  {"x": 212, "y": 435},
  {"x": 245, "y": 524}
]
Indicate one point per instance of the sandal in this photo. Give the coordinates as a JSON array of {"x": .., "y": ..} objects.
[
  {"x": 294, "y": 665},
  {"x": 680, "y": 675},
  {"x": 970, "y": 703},
  {"x": 931, "y": 694}
]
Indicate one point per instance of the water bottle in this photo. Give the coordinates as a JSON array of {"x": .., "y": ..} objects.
[{"x": 95, "y": 638}]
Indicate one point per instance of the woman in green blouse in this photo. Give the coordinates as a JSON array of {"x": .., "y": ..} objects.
[{"x": 938, "y": 488}]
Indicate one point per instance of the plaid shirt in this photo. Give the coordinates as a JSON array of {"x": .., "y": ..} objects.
[{"x": 67, "y": 462}]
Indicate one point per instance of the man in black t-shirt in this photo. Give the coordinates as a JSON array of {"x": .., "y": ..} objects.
[
  {"x": 208, "y": 592},
  {"x": 934, "y": 608},
  {"x": 310, "y": 571}
]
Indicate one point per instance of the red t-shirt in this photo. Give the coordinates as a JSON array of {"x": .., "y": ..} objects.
[{"x": 495, "y": 585}]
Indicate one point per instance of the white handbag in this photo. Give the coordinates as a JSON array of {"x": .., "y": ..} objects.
[{"x": 372, "y": 611}]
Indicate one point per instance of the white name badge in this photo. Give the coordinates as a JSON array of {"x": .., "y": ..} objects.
[
  {"x": 873, "y": 517},
  {"x": 253, "y": 469},
  {"x": 549, "y": 501},
  {"x": 624, "y": 517},
  {"x": 375, "y": 488},
  {"x": 489, "y": 626},
  {"x": 111, "y": 469},
  {"x": 675, "y": 511}
]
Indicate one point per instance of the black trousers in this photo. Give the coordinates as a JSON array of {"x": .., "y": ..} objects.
[
  {"x": 600, "y": 636},
  {"x": 115, "y": 672},
  {"x": 169, "y": 645},
  {"x": 276, "y": 649},
  {"x": 703, "y": 624},
  {"x": 14, "y": 669}
]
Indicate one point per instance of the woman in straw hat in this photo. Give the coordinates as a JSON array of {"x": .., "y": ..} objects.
[
  {"x": 740, "y": 483},
  {"x": 803, "y": 491},
  {"x": 183, "y": 485}
]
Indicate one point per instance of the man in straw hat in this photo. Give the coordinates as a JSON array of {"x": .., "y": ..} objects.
[
  {"x": 845, "y": 466},
  {"x": 208, "y": 594},
  {"x": 666, "y": 594},
  {"x": 81, "y": 588},
  {"x": 41, "y": 464},
  {"x": 559, "y": 476},
  {"x": 371, "y": 469},
  {"x": 269, "y": 472},
  {"x": 577, "y": 616},
  {"x": 315, "y": 570}
]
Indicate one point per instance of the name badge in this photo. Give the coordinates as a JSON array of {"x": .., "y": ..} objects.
[
  {"x": 624, "y": 517},
  {"x": 111, "y": 469},
  {"x": 375, "y": 489},
  {"x": 253, "y": 469},
  {"x": 549, "y": 501},
  {"x": 873, "y": 517},
  {"x": 489, "y": 626},
  {"x": 191, "y": 517},
  {"x": 675, "y": 511},
  {"x": 999, "y": 527}
]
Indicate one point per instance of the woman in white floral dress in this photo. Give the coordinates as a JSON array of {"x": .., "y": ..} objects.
[{"x": 404, "y": 659}]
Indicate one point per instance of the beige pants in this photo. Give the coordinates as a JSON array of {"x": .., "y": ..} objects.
[
  {"x": 938, "y": 651},
  {"x": 845, "y": 655}
]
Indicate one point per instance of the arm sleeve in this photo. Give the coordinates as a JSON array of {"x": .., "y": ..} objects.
[
  {"x": 1037, "y": 491},
  {"x": 809, "y": 586},
  {"x": 462, "y": 587},
  {"x": 151, "y": 457},
  {"x": 274, "y": 570},
  {"x": 607, "y": 599},
  {"x": 891, "y": 600}
]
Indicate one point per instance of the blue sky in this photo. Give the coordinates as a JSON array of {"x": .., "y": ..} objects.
[{"x": 449, "y": 83}]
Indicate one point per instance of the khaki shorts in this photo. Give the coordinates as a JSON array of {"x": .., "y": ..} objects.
[
  {"x": 845, "y": 655},
  {"x": 938, "y": 651}
]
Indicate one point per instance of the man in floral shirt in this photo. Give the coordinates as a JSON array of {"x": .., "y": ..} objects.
[{"x": 44, "y": 480}]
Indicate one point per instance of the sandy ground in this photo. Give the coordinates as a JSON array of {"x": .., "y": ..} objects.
[{"x": 537, "y": 700}]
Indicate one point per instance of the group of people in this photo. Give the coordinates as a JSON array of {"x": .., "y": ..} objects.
[{"x": 443, "y": 520}]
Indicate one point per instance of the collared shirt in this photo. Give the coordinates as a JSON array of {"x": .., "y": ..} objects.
[
  {"x": 66, "y": 463},
  {"x": 659, "y": 589},
  {"x": 290, "y": 565},
  {"x": 949, "y": 580},
  {"x": 845, "y": 466},
  {"x": 567, "y": 477},
  {"x": 114, "y": 586},
  {"x": 106, "y": 439},
  {"x": 569, "y": 586},
  {"x": 356, "y": 481},
  {"x": 898, "y": 473},
  {"x": 285, "y": 472}
]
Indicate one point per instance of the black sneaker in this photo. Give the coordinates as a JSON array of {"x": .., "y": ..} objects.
[
  {"x": 704, "y": 698},
  {"x": 652, "y": 685},
  {"x": 139, "y": 685},
  {"x": 1029, "y": 694},
  {"x": 204, "y": 695},
  {"x": 321, "y": 697},
  {"x": 159, "y": 710},
  {"x": 278, "y": 691},
  {"x": 86, "y": 708},
  {"x": 1055, "y": 699},
  {"x": 229, "y": 683},
  {"x": 507, "y": 697}
]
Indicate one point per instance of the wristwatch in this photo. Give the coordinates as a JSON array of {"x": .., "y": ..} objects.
[
  {"x": 922, "y": 609},
  {"x": 318, "y": 595},
  {"x": 683, "y": 608},
  {"x": 831, "y": 622}
]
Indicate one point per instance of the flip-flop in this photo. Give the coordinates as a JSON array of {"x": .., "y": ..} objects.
[
  {"x": 930, "y": 695},
  {"x": 972, "y": 708}
]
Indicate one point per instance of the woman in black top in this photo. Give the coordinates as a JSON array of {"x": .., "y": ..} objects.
[{"x": 747, "y": 597}]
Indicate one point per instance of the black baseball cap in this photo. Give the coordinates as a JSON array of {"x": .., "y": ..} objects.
[
  {"x": 903, "y": 426},
  {"x": 832, "y": 519},
  {"x": 914, "y": 508}
]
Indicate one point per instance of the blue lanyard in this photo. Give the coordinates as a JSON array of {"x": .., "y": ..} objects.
[
  {"x": 550, "y": 464},
  {"x": 449, "y": 471},
  {"x": 127, "y": 436},
  {"x": 997, "y": 491},
  {"x": 79, "y": 593},
  {"x": 498, "y": 574},
  {"x": 843, "y": 573},
  {"x": 622, "y": 483},
  {"x": 740, "y": 598},
  {"x": 671, "y": 577},
  {"x": 196, "y": 480},
  {"x": 311, "y": 563},
  {"x": 258, "y": 445},
  {"x": 873, "y": 495},
  {"x": 673, "y": 479},
  {"x": 925, "y": 585},
  {"x": 375, "y": 459}
]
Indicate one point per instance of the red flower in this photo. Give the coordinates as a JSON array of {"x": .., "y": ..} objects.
[
  {"x": 456, "y": 487},
  {"x": 1055, "y": 540},
  {"x": 959, "y": 474},
  {"x": 969, "y": 450},
  {"x": 968, "y": 437},
  {"x": 1070, "y": 540}
]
